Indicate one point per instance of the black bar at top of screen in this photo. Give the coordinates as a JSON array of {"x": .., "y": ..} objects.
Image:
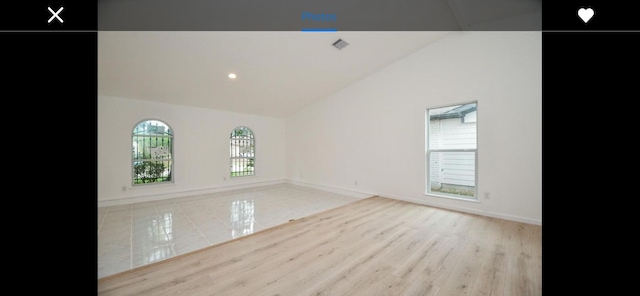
[
  {"x": 602, "y": 15},
  {"x": 338, "y": 15},
  {"x": 55, "y": 15}
]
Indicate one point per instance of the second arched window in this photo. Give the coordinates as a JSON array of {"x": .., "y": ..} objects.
[{"x": 243, "y": 151}]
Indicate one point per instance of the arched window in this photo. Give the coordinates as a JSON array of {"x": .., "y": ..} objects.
[
  {"x": 243, "y": 148},
  {"x": 152, "y": 160}
]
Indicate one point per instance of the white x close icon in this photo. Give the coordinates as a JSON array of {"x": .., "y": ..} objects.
[{"x": 55, "y": 14}]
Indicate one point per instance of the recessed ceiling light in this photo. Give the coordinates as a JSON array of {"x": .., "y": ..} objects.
[{"x": 232, "y": 76}]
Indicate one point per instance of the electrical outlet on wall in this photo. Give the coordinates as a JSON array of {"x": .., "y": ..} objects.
[{"x": 487, "y": 195}]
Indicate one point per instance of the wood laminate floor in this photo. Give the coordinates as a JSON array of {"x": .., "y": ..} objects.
[{"x": 373, "y": 246}]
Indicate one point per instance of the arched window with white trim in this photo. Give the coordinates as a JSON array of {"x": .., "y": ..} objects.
[
  {"x": 152, "y": 147},
  {"x": 242, "y": 152}
]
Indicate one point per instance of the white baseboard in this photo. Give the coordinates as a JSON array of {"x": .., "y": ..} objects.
[
  {"x": 163, "y": 196},
  {"x": 466, "y": 210},
  {"x": 417, "y": 201},
  {"x": 347, "y": 192}
]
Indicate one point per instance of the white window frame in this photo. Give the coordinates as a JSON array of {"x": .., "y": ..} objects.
[{"x": 435, "y": 171}]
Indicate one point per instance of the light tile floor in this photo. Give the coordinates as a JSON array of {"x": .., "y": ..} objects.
[{"x": 134, "y": 235}]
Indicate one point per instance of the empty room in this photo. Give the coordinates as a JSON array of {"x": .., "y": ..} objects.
[{"x": 340, "y": 163}]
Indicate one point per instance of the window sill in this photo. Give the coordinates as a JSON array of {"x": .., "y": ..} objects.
[
  {"x": 149, "y": 185},
  {"x": 452, "y": 197},
  {"x": 240, "y": 177}
]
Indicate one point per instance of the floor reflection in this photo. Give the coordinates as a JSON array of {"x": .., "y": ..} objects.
[
  {"x": 130, "y": 236},
  {"x": 241, "y": 217},
  {"x": 158, "y": 236}
]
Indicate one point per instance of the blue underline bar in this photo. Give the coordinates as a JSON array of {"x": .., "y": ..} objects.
[{"x": 320, "y": 30}]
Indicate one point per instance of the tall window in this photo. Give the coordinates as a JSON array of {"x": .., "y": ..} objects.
[
  {"x": 152, "y": 160},
  {"x": 243, "y": 150},
  {"x": 452, "y": 151}
]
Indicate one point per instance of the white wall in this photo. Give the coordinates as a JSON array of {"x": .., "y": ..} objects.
[
  {"x": 201, "y": 149},
  {"x": 373, "y": 132}
]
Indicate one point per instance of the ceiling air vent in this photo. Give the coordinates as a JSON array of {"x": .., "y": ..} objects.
[{"x": 340, "y": 44}]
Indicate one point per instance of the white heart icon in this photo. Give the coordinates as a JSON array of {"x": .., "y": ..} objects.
[{"x": 585, "y": 14}]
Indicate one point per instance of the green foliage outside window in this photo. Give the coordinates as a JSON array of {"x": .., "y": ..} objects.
[
  {"x": 152, "y": 151},
  {"x": 150, "y": 172}
]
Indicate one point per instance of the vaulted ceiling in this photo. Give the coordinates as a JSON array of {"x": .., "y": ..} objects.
[{"x": 278, "y": 73}]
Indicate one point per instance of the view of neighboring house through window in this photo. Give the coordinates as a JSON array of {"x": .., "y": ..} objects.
[
  {"x": 242, "y": 152},
  {"x": 152, "y": 161},
  {"x": 451, "y": 151}
]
